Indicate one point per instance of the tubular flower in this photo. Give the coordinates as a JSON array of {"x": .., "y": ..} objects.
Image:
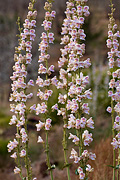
[{"x": 19, "y": 95}]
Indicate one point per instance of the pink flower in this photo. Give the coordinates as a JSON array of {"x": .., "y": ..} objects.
[
  {"x": 31, "y": 82},
  {"x": 114, "y": 143},
  {"x": 55, "y": 107},
  {"x": 87, "y": 137},
  {"x": 85, "y": 108},
  {"x": 14, "y": 155},
  {"x": 53, "y": 13},
  {"x": 90, "y": 123},
  {"x": 11, "y": 145},
  {"x": 13, "y": 120},
  {"x": 81, "y": 174},
  {"x": 92, "y": 156},
  {"x": 51, "y": 68},
  {"x": 42, "y": 69},
  {"x": 22, "y": 153},
  {"x": 40, "y": 125},
  {"x": 74, "y": 137},
  {"x": 40, "y": 140},
  {"x": 17, "y": 170},
  {"x": 88, "y": 168},
  {"x": 39, "y": 81},
  {"x": 48, "y": 124},
  {"x": 33, "y": 108},
  {"x": 109, "y": 109},
  {"x": 51, "y": 37}
]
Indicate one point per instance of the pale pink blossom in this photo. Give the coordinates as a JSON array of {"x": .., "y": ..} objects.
[{"x": 17, "y": 170}]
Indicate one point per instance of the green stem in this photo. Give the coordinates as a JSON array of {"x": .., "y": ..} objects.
[
  {"x": 111, "y": 2},
  {"x": 65, "y": 133},
  {"x": 48, "y": 157},
  {"x": 18, "y": 155},
  {"x": 112, "y": 22},
  {"x": 79, "y": 136},
  {"x": 118, "y": 164},
  {"x": 65, "y": 152},
  {"x": 113, "y": 134},
  {"x": 117, "y": 174},
  {"x": 80, "y": 130},
  {"x": 27, "y": 161},
  {"x": 47, "y": 144}
]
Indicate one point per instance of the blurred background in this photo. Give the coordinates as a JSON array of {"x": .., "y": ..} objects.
[{"x": 96, "y": 31}]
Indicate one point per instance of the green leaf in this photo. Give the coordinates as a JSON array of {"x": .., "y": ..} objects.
[
  {"x": 52, "y": 167},
  {"x": 117, "y": 167},
  {"x": 114, "y": 167},
  {"x": 67, "y": 165},
  {"x": 85, "y": 167},
  {"x": 111, "y": 166},
  {"x": 76, "y": 172}
]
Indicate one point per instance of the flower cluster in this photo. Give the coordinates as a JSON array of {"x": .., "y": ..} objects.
[
  {"x": 74, "y": 82},
  {"x": 46, "y": 125},
  {"x": 19, "y": 93},
  {"x": 85, "y": 156},
  {"x": 114, "y": 72}
]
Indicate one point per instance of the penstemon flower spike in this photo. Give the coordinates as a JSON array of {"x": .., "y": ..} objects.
[
  {"x": 77, "y": 92},
  {"x": 114, "y": 85},
  {"x": 44, "y": 92},
  {"x": 64, "y": 76},
  {"x": 22, "y": 59},
  {"x": 74, "y": 82}
]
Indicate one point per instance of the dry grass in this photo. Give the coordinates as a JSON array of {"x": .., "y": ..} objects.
[{"x": 103, "y": 152}]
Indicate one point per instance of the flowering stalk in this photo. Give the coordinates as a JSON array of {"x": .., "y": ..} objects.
[
  {"x": 44, "y": 91},
  {"x": 114, "y": 84},
  {"x": 22, "y": 59},
  {"x": 64, "y": 77},
  {"x": 78, "y": 93},
  {"x": 74, "y": 82}
]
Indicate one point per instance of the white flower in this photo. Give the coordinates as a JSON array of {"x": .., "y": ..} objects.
[
  {"x": 17, "y": 170},
  {"x": 14, "y": 155},
  {"x": 22, "y": 153},
  {"x": 40, "y": 140}
]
